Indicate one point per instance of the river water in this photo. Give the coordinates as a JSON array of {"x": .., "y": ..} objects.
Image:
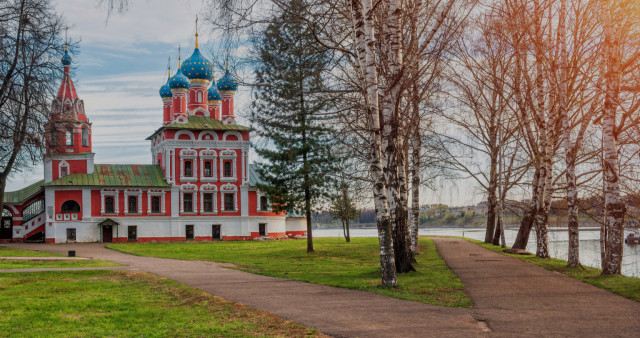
[{"x": 558, "y": 243}]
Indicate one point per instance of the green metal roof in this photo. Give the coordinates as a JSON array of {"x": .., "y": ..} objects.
[
  {"x": 116, "y": 175},
  {"x": 254, "y": 177},
  {"x": 201, "y": 123},
  {"x": 19, "y": 196}
]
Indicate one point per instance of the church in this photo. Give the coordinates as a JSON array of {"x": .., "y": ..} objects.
[{"x": 199, "y": 186}]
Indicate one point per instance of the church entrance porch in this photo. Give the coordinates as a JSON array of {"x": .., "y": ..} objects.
[{"x": 106, "y": 230}]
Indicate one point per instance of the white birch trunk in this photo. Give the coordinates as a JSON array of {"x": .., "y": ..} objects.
[
  {"x": 614, "y": 205},
  {"x": 362, "y": 12},
  {"x": 573, "y": 259},
  {"x": 393, "y": 162}
]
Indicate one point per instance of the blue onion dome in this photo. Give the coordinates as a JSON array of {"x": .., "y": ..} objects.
[
  {"x": 66, "y": 58},
  {"x": 179, "y": 81},
  {"x": 227, "y": 83},
  {"x": 213, "y": 94},
  {"x": 165, "y": 91},
  {"x": 197, "y": 67}
]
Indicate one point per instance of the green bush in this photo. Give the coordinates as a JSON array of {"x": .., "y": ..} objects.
[{"x": 449, "y": 217}]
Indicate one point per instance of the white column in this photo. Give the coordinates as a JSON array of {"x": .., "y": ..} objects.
[
  {"x": 244, "y": 200},
  {"x": 48, "y": 170},
  {"x": 244, "y": 164},
  {"x": 86, "y": 203}
]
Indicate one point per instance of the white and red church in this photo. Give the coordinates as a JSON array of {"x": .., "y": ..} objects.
[{"x": 200, "y": 185}]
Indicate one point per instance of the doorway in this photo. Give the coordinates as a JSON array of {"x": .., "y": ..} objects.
[
  {"x": 262, "y": 229},
  {"x": 189, "y": 233},
  {"x": 107, "y": 234},
  {"x": 5, "y": 228},
  {"x": 215, "y": 232}
]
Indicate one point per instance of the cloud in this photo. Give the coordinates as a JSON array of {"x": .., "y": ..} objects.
[{"x": 121, "y": 65}]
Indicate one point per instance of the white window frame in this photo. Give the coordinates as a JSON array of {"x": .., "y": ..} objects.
[
  {"x": 260, "y": 194},
  {"x": 156, "y": 193},
  {"x": 208, "y": 155},
  {"x": 138, "y": 194},
  {"x": 63, "y": 164},
  {"x": 229, "y": 189},
  {"x": 189, "y": 154},
  {"x": 68, "y": 136},
  {"x": 190, "y": 189},
  {"x": 113, "y": 193},
  {"x": 85, "y": 133},
  {"x": 228, "y": 155},
  {"x": 209, "y": 189}
]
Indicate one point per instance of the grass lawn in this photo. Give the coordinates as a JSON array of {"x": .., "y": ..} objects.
[
  {"x": 354, "y": 265},
  {"x": 15, "y": 252},
  {"x": 118, "y": 304},
  {"x": 622, "y": 285},
  {"x": 28, "y": 264}
]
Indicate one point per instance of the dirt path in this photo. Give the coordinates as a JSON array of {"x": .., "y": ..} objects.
[{"x": 511, "y": 298}]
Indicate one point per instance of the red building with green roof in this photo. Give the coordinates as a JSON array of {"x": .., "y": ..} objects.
[{"x": 200, "y": 184}]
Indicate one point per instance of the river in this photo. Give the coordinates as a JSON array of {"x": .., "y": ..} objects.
[{"x": 558, "y": 243}]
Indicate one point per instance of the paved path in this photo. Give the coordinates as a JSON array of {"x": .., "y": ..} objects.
[
  {"x": 520, "y": 299},
  {"x": 511, "y": 298}
]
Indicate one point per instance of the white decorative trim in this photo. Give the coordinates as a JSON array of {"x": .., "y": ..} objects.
[
  {"x": 207, "y": 132},
  {"x": 179, "y": 144},
  {"x": 229, "y": 189},
  {"x": 231, "y": 132},
  {"x": 245, "y": 177},
  {"x": 189, "y": 154},
  {"x": 109, "y": 192},
  {"x": 228, "y": 120},
  {"x": 209, "y": 188},
  {"x": 189, "y": 188},
  {"x": 63, "y": 164},
  {"x": 154, "y": 193},
  {"x": 185, "y": 132},
  {"x": 181, "y": 119},
  {"x": 259, "y": 195},
  {"x": 210, "y": 155},
  {"x": 195, "y": 112},
  {"x": 228, "y": 154},
  {"x": 138, "y": 194}
]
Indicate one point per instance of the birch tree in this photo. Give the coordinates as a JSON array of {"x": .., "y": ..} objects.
[{"x": 619, "y": 20}]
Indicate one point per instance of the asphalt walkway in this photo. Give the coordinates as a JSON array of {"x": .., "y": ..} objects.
[{"x": 511, "y": 298}]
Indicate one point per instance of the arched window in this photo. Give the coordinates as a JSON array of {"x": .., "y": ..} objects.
[
  {"x": 32, "y": 210},
  {"x": 6, "y": 212},
  {"x": 85, "y": 136},
  {"x": 68, "y": 136},
  {"x": 199, "y": 97},
  {"x": 263, "y": 203},
  {"x": 70, "y": 206}
]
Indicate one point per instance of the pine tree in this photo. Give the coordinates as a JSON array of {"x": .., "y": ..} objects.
[{"x": 288, "y": 112}]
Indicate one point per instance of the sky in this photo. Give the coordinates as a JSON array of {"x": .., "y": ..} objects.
[{"x": 122, "y": 63}]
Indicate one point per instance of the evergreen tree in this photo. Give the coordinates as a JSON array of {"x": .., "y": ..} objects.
[{"x": 289, "y": 113}]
